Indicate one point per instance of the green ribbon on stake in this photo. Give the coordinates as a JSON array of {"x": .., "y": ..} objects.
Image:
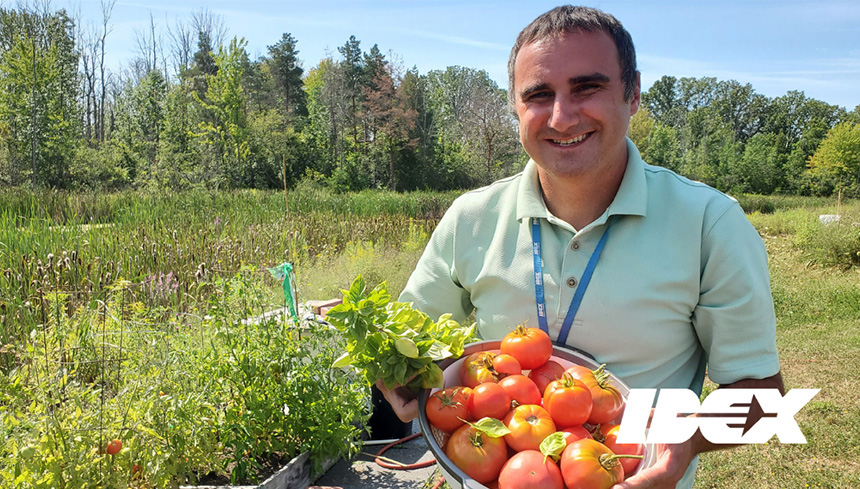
[{"x": 284, "y": 272}]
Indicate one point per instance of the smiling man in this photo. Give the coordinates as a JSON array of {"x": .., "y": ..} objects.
[{"x": 659, "y": 277}]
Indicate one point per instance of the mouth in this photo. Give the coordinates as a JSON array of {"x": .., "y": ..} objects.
[{"x": 571, "y": 141}]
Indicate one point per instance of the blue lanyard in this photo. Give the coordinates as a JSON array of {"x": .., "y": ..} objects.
[{"x": 580, "y": 290}]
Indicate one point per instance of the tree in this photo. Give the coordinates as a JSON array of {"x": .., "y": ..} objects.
[
  {"x": 837, "y": 159},
  {"x": 663, "y": 102},
  {"x": 391, "y": 120},
  {"x": 39, "y": 117},
  {"x": 740, "y": 107},
  {"x": 182, "y": 45},
  {"x": 419, "y": 170},
  {"x": 663, "y": 148},
  {"x": 794, "y": 114},
  {"x": 478, "y": 138},
  {"x": 759, "y": 169},
  {"x": 286, "y": 71},
  {"x": 353, "y": 70},
  {"x": 227, "y": 132},
  {"x": 639, "y": 131},
  {"x": 140, "y": 122},
  {"x": 204, "y": 65}
]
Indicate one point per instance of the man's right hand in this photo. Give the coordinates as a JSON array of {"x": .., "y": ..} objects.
[{"x": 404, "y": 403}]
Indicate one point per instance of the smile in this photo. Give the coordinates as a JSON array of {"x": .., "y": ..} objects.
[{"x": 568, "y": 142}]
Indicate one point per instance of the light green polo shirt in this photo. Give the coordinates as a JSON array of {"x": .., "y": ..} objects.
[{"x": 682, "y": 282}]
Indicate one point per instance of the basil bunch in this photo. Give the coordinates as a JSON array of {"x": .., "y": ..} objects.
[{"x": 393, "y": 341}]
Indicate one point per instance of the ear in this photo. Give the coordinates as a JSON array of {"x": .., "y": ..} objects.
[{"x": 637, "y": 95}]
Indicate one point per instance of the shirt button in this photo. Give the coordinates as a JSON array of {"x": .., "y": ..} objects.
[
  {"x": 571, "y": 282},
  {"x": 574, "y": 246}
]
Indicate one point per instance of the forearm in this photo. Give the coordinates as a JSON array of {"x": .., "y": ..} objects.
[{"x": 701, "y": 444}]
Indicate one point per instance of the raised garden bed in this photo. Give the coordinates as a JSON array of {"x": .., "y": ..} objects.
[{"x": 296, "y": 474}]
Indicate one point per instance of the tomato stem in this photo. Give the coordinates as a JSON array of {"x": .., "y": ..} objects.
[
  {"x": 602, "y": 377},
  {"x": 609, "y": 462}
]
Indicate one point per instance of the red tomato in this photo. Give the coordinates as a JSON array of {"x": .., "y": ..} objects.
[
  {"x": 587, "y": 464},
  {"x": 113, "y": 447},
  {"x": 568, "y": 401},
  {"x": 573, "y": 433},
  {"x": 530, "y": 346},
  {"x": 446, "y": 409},
  {"x": 530, "y": 469},
  {"x": 478, "y": 368},
  {"x": 607, "y": 434},
  {"x": 489, "y": 399},
  {"x": 521, "y": 389},
  {"x": 529, "y": 425},
  {"x": 480, "y": 456},
  {"x": 608, "y": 403},
  {"x": 545, "y": 374},
  {"x": 506, "y": 364}
]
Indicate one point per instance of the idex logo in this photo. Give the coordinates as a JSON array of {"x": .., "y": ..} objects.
[{"x": 723, "y": 417}]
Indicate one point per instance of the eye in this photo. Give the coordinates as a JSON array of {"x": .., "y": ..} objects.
[
  {"x": 535, "y": 96},
  {"x": 587, "y": 88}
]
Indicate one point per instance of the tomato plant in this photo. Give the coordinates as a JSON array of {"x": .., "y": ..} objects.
[
  {"x": 446, "y": 409},
  {"x": 529, "y": 425},
  {"x": 545, "y": 374},
  {"x": 530, "y": 469},
  {"x": 478, "y": 368},
  {"x": 521, "y": 389},
  {"x": 507, "y": 364},
  {"x": 489, "y": 400},
  {"x": 532, "y": 347},
  {"x": 568, "y": 401},
  {"x": 587, "y": 464},
  {"x": 477, "y": 452},
  {"x": 608, "y": 434},
  {"x": 608, "y": 403}
]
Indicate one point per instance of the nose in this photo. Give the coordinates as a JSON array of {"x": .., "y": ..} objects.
[{"x": 565, "y": 114}]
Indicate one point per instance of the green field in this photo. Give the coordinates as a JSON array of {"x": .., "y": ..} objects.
[{"x": 120, "y": 317}]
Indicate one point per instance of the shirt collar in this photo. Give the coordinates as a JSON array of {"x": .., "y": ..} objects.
[{"x": 631, "y": 199}]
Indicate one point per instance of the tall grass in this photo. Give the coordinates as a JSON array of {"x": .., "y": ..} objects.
[{"x": 82, "y": 243}]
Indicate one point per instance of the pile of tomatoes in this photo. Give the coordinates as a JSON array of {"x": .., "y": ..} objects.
[{"x": 520, "y": 419}]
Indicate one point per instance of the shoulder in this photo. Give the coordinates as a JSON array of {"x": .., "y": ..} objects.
[
  {"x": 476, "y": 202},
  {"x": 682, "y": 194}
]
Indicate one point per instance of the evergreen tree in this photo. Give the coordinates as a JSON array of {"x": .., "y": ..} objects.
[{"x": 286, "y": 71}]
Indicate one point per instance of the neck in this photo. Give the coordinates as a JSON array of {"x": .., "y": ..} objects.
[{"x": 579, "y": 200}]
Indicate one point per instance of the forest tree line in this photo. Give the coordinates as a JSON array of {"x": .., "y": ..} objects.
[{"x": 193, "y": 109}]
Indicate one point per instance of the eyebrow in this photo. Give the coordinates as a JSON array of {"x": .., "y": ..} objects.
[
  {"x": 590, "y": 78},
  {"x": 595, "y": 77}
]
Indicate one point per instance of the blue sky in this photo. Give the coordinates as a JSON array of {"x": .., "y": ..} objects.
[{"x": 775, "y": 45}]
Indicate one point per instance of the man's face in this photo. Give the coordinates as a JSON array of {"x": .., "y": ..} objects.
[{"x": 570, "y": 101}]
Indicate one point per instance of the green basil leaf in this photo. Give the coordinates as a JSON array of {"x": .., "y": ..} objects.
[
  {"x": 553, "y": 445},
  {"x": 491, "y": 427}
]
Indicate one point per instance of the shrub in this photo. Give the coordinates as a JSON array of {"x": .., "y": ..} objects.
[{"x": 834, "y": 244}]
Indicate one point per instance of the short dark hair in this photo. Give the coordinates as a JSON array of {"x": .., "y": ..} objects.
[{"x": 570, "y": 19}]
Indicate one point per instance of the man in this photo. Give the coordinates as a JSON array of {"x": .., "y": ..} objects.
[{"x": 676, "y": 276}]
